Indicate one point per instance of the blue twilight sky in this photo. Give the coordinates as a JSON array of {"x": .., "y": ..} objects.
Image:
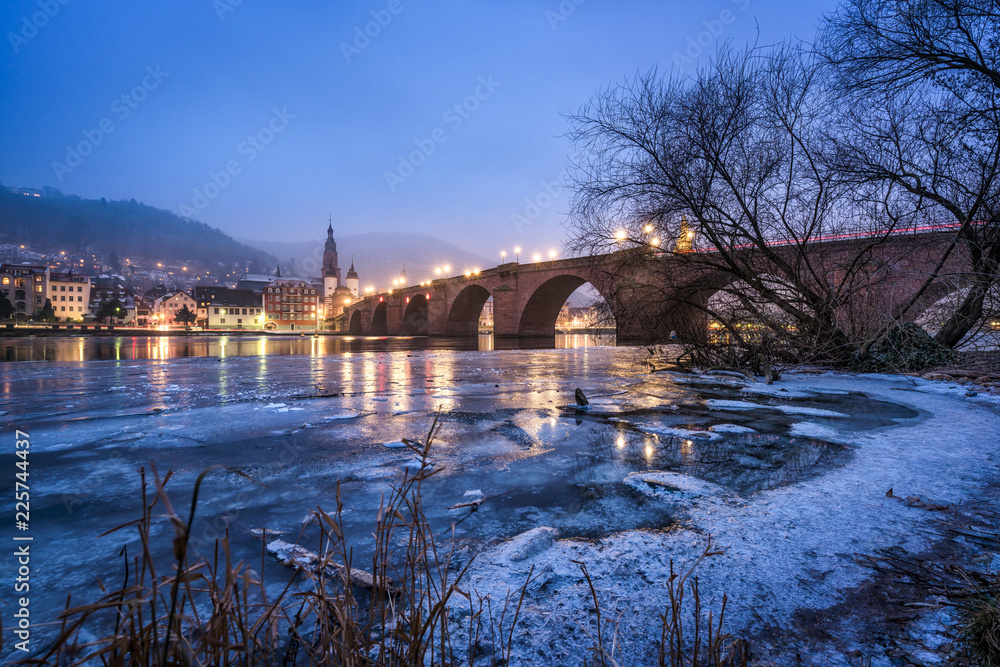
[{"x": 297, "y": 113}]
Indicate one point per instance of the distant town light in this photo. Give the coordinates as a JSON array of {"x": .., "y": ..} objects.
[{"x": 552, "y": 254}]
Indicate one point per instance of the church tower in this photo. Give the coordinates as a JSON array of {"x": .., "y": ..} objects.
[
  {"x": 331, "y": 268},
  {"x": 352, "y": 282}
]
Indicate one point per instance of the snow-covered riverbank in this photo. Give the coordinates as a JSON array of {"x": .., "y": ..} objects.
[{"x": 790, "y": 479}]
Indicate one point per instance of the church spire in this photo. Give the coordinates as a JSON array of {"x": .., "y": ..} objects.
[{"x": 329, "y": 230}]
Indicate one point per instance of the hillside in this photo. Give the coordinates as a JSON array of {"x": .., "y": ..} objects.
[{"x": 56, "y": 222}]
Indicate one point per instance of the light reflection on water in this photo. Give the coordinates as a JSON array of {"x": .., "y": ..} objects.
[{"x": 122, "y": 348}]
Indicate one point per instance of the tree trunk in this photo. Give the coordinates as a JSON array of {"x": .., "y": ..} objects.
[{"x": 970, "y": 311}]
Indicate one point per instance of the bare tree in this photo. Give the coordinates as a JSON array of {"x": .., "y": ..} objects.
[
  {"x": 919, "y": 82},
  {"x": 719, "y": 180}
]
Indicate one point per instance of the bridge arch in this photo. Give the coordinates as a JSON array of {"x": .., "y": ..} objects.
[
  {"x": 946, "y": 297},
  {"x": 379, "y": 326},
  {"x": 355, "y": 325},
  {"x": 541, "y": 310},
  {"x": 466, "y": 309},
  {"x": 415, "y": 317}
]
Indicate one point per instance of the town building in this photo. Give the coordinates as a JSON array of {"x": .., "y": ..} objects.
[
  {"x": 256, "y": 282},
  {"x": 165, "y": 308},
  {"x": 25, "y": 287},
  {"x": 292, "y": 304},
  {"x": 140, "y": 309},
  {"x": 331, "y": 270},
  {"x": 70, "y": 294},
  {"x": 486, "y": 316},
  {"x": 234, "y": 309},
  {"x": 352, "y": 282}
]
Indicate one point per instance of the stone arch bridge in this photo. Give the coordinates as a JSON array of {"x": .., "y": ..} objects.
[{"x": 649, "y": 295}]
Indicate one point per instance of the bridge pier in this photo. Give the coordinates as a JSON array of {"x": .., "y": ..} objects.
[
  {"x": 393, "y": 317},
  {"x": 506, "y": 312},
  {"x": 437, "y": 313}
]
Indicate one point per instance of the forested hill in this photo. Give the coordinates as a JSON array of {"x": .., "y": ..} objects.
[{"x": 56, "y": 222}]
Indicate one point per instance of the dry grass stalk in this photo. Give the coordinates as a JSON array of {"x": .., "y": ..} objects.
[{"x": 214, "y": 611}]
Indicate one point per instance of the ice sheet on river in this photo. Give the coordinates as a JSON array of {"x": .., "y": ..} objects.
[{"x": 555, "y": 487}]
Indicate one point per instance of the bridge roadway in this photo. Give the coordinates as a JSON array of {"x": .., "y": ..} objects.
[{"x": 649, "y": 294}]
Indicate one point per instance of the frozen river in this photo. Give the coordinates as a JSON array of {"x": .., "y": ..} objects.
[{"x": 298, "y": 416}]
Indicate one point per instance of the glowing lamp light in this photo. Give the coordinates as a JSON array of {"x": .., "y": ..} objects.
[
  {"x": 648, "y": 228},
  {"x": 447, "y": 268},
  {"x": 621, "y": 235},
  {"x": 537, "y": 257},
  {"x": 437, "y": 271},
  {"x": 552, "y": 254},
  {"x": 655, "y": 242}
]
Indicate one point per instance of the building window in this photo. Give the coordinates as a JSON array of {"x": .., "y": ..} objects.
[
  {"x": 62, "y": 298},
  {"x": 62, "y": 288},
  {"x": 222, "y": 320},
  {"x": 38, "y": 288},
  {"x": 216, "y": 312},
  {"x": 79, "y": 288},
  {"x": 71, "y": 309},
  {"x": 63, "y": 308},
  {"x": 6, "y": 280}
]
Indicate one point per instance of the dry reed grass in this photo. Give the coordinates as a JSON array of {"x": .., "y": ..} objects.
[{"x": 216, "y": 611}]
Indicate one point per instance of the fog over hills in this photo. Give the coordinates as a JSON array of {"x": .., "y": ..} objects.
[
  {"x": 49, "y": 221},
  {"x": 379, "y": 257}
]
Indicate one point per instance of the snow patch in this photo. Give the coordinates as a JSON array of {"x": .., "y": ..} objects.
[
  {"x": 731, "y": 428},
  {"x": 526, "y": 545},
  {"x": 671, "y": 485}
]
